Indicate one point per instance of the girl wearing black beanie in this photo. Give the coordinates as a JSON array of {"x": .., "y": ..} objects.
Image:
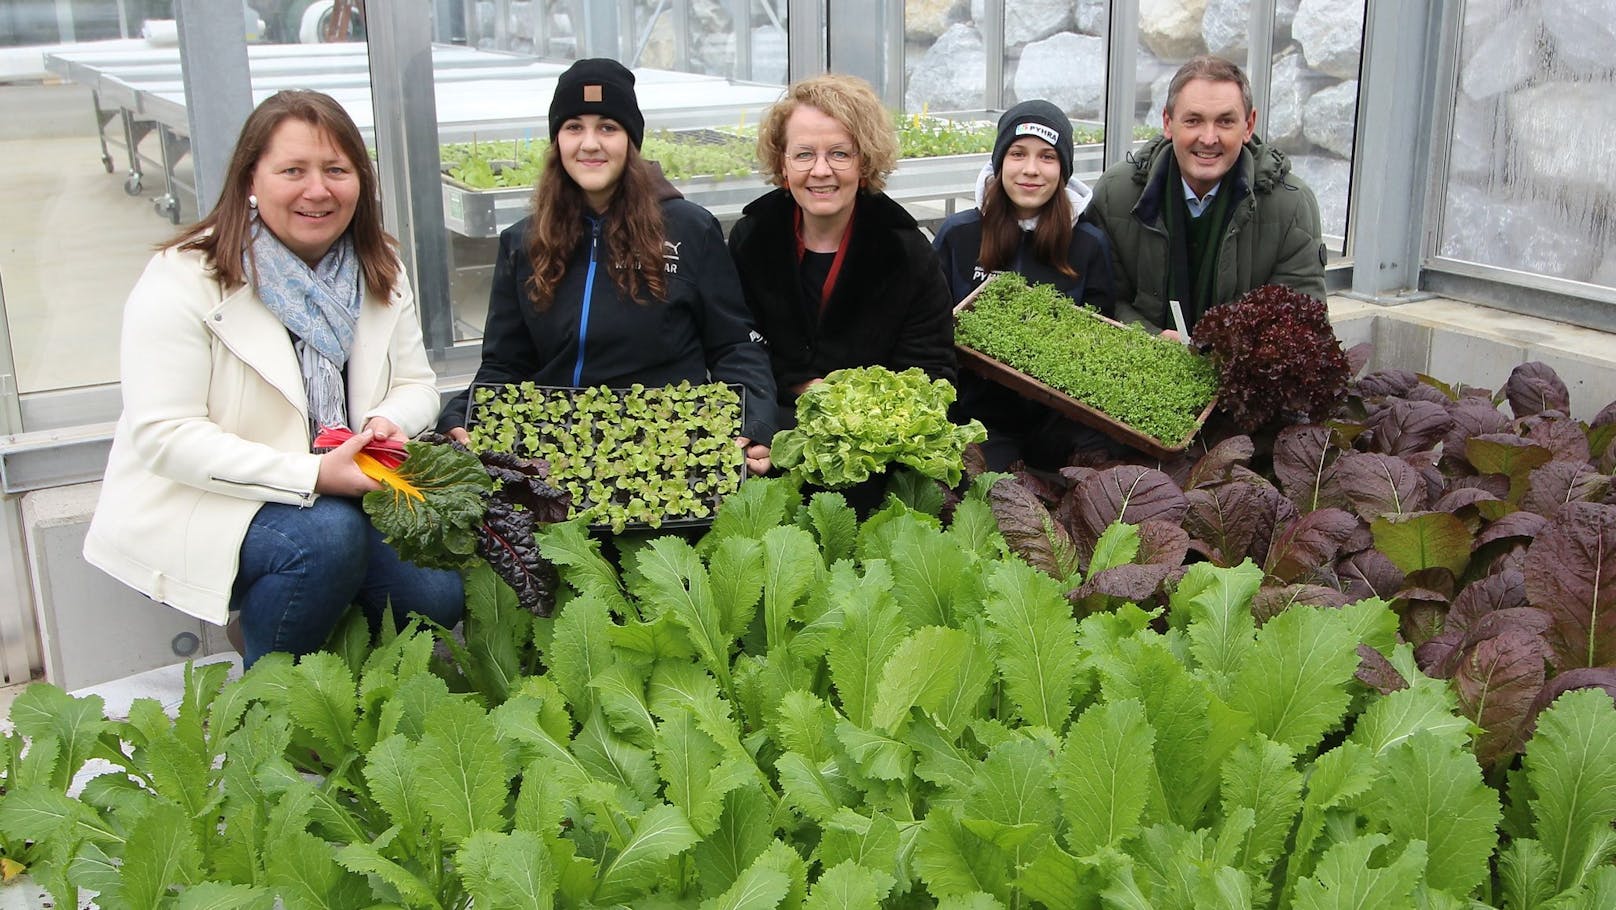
[
  {"x": 1031, "y": 218},
  {"x": 616, "y": 278}
]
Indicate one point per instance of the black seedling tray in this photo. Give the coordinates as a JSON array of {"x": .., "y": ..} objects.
[{"x": 609, "y": 443}]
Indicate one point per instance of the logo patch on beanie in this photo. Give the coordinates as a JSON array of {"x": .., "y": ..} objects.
[
  {"x": 592, "y": 94},
  {"x": 1038, "y": 131}
]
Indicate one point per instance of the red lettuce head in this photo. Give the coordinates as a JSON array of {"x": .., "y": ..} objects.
[{"x": 1278, "y": 359}]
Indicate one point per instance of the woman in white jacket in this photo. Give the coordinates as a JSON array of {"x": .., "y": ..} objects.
[{"x": 283, "y": 311}]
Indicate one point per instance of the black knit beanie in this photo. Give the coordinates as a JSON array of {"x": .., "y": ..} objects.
[
  {"x": 597, "y": 86},
  {"x": 1038, "y": 119}
]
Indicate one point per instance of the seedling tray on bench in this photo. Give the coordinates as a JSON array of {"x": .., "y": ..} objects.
[
  {"x": 632, "y": 458},
  {"x": 1035, "y": 389}
]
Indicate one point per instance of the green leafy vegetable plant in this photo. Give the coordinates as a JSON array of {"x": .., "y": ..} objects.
[
  {"x": 1152, "y": 384},
  {"x": 806, "y": 711},
  {"x": 858, "y": 421},
  {"x": 638, "y": 456},
  {"x": 688, "y": 154}
]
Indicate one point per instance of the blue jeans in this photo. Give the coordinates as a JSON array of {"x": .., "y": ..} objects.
[{"x": 301, "y": 569}]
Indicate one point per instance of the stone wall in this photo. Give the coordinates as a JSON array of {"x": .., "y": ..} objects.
[{"x": 1056, "y": 49}]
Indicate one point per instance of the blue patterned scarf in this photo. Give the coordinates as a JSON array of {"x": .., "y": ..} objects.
[{"x": 320, "y": 306}]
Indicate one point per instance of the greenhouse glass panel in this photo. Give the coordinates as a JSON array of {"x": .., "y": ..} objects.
[
  {"x": 96, "y": 151},
  {"x": 945, "y": 57},
  {"x": 1531, "y": 177},
  {"x": 1038, "y": 49},
  {"x": 1313, "y": 99}
]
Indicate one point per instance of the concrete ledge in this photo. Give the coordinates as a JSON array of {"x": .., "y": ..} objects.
[
  {"x": 92, "y": 628},
  {"x": 1459, "y": 342}
]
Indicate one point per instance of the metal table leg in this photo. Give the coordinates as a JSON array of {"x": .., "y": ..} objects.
[
  {"x": 174, "y": 147},
  {"x": 102, "y": 118},
  {"x": 133, "y": 131}
]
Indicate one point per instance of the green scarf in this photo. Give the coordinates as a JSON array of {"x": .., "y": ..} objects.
[{"x": 1193, "y": 272}]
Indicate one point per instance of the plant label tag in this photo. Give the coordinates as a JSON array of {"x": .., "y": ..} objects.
[{"x": 1178, "y": 321}]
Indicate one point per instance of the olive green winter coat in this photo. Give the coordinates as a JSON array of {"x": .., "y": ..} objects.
[{"x": 1273, "y": 234}]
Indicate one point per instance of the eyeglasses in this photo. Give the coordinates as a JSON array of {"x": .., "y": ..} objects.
[{"x": 838, "y": 159}]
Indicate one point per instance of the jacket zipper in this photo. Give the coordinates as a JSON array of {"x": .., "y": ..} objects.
[
  {"x": 589, "y": 289},
  {"x": 306, "y": 497}
]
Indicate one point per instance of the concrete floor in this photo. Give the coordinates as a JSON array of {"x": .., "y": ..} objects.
[{"x": 72, "y": 242}]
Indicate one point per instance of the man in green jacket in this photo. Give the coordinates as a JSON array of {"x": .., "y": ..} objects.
[{"x": 1206, "y": 211}]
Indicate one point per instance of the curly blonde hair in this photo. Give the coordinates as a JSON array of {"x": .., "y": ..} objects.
[{"x": 848, "y": 100}]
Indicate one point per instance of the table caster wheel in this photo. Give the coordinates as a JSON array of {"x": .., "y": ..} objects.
[
  {"x": 106, "y": 162},
  {"x": 131, "y": 184},
  {"x": 168, "y": 207}
]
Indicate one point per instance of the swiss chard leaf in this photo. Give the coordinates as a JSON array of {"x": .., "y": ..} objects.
[{"x": 435, "y": 522}]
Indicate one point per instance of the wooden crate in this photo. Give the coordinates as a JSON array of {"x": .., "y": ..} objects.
[{"x": 1074, "y": 408}]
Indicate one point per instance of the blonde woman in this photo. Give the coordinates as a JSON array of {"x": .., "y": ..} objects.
[{"x": 836, "y": 273}]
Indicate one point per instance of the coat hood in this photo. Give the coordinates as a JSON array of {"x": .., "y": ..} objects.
[
  {"x": 660, "y": 185},
  {"x": 1077, "y": 193}
]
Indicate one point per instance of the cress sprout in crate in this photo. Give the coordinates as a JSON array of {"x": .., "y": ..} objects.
[
  {"x": 1278, "y": 358},
  {"x": 857, "y": 422},
  {"x": 1153, "y": 385},
  {"x": 642, "y": 456}
]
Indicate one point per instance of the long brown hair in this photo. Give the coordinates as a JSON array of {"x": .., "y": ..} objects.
[
  {"x": 633, "y": 229},
  {"x": 225, "y": 233},
  {"x": 1001, "y": 232}
]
